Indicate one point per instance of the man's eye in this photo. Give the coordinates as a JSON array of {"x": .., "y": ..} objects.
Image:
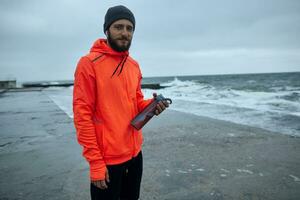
[
  {"x": 119, "y": 27},
  {"x": 129, "y": 28}
]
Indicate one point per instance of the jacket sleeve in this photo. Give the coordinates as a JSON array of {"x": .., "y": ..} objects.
[
  {"x": 84, "y": 97},
  {"x": 141, "y": 103}
]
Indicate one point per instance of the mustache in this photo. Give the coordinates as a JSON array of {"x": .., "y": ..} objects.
[{"x": 123, "y": 38}]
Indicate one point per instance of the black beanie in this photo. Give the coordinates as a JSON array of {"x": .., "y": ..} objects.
[{"x": 115, "y": 13}]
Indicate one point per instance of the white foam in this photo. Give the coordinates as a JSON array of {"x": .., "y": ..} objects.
[
  {"x": 182, "y": 172},
  {"x": 244, "y": 171},
  {"x": 225, "y": 170},
  {"x": 261, "y": 174},
  {"x": 296, "y": 179},
  {"x": 167, "y": 172}
]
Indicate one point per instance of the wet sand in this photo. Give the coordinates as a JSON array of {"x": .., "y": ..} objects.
[{"x": 186, "y": 157}]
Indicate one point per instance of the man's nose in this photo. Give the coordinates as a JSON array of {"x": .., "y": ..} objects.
[{"x": 125, "y": 32}]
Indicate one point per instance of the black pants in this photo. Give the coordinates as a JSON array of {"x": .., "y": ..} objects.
[{"x": 125, "y": 181}]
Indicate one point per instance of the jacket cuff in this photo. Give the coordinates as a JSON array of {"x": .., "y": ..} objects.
[{"x": 97, "y": 170}]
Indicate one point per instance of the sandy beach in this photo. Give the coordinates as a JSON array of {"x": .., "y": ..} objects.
[{"x": 186, "y": 157}]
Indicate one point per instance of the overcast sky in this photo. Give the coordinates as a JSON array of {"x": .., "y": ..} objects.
[{"x": 43, "y": 40}]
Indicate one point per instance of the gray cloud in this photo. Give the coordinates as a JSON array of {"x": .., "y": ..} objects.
[{"x": 42, "y": 40}]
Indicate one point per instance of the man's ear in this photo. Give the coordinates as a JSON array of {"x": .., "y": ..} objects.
[{"x": 106, "y": 33}]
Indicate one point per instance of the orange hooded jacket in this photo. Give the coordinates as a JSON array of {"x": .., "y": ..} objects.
[{"x": 106, "y": 97}]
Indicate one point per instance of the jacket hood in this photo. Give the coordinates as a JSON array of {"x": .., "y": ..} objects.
[{"x": 101, "y": 46}]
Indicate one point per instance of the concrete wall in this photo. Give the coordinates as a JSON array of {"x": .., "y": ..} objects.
[{"x": 8, "y": 84}]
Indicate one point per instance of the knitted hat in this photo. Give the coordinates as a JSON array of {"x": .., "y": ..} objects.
[{"x": 115, "y": 13}]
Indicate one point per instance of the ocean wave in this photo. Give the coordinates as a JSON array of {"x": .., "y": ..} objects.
[
  {"x": 265, "y": 109},
  {"x": 277, "y": 111},
  {"x": 286, "y": 102}
]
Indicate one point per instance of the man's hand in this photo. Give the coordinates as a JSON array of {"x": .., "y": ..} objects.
[
  {"x": 101, "y": 184},
  {"x": 161, "y": 106}
]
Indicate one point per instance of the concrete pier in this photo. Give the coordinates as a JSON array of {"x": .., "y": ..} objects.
[{"x": 186, "y": 157}]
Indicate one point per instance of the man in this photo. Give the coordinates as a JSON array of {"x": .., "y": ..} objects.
[{"x": 107, "y": 96}]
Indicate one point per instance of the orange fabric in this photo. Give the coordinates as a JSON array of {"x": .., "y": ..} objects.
[{"x": 104, "y": 105}]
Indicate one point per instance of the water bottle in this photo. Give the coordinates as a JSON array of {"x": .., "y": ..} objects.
[{"x": 145, "y": 115}]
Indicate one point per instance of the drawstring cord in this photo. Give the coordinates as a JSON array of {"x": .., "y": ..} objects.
[
  {"x": 122, "y": 62},
  {"x": 123, "y": 65}
]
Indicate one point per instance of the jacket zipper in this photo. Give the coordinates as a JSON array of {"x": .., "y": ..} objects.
[{"x": 128, "y": 95}]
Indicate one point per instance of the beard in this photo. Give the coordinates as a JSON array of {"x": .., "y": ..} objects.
[{"x": 114, "y": 45}]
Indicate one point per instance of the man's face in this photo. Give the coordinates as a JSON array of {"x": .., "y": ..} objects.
[{"x": 119, "y": 35}]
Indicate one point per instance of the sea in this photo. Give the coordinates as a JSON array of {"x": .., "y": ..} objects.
[{"x": 269, "y": 101}]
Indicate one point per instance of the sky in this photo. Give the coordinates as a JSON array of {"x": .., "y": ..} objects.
[{"x": 43, "y": 40}]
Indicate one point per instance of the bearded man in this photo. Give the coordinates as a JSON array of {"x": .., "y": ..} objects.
[{"x": 107, "y": 96}]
